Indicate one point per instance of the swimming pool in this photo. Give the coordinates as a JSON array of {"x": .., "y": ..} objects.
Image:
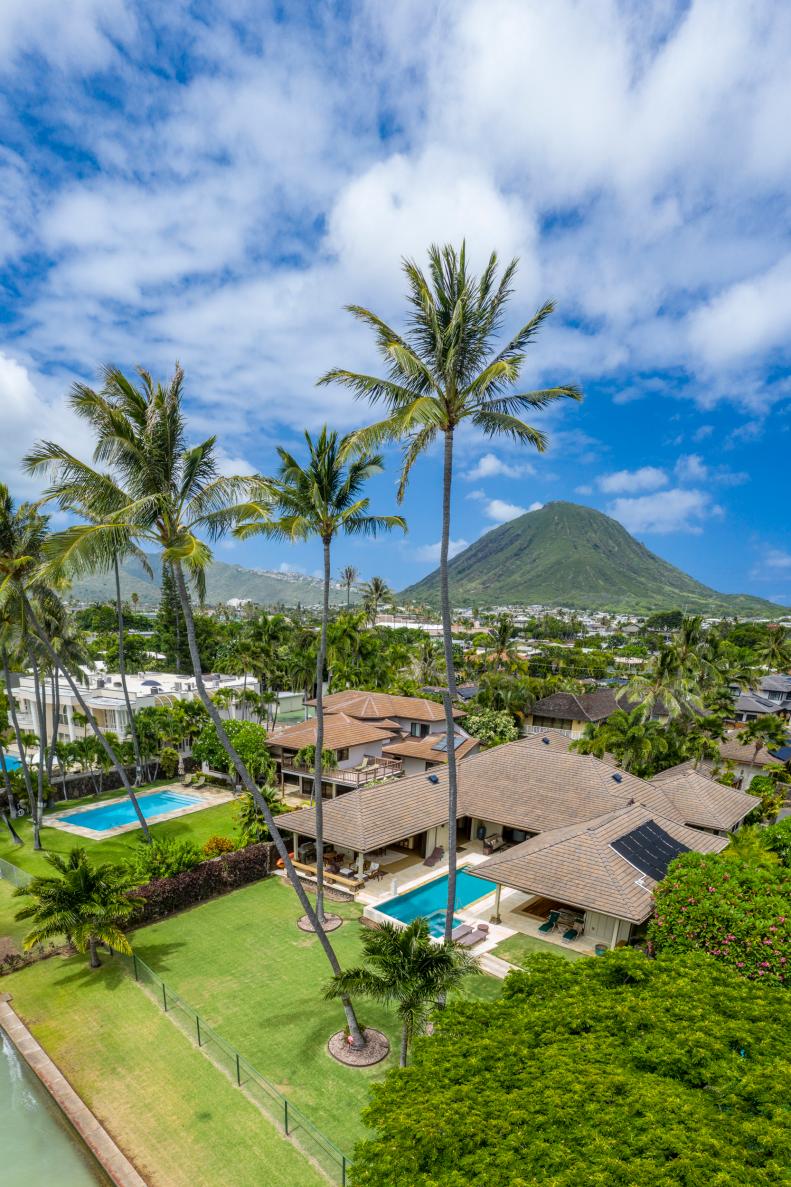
[
  {"x": 430, "y": 899},
  {"x": 12, "y": 763},
  {"x": 121, "y": 812}
]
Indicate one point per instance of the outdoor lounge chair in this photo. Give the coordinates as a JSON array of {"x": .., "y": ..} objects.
[
  {"x": 551, "y": 922},
  {"x": 572, "y": 934},
  {"x": 199, "y": 782},
  {"x": 474, "y": 937},
  {"x": 461, "y": 931},
  {"x": 186, "y": 780},
  {"x": 435, "y": 856}
]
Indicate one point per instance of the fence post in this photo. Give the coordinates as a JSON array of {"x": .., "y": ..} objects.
[
  {"x": 197, "y": 1023},
  {"x": 285, "y": 1114},
  {"x": 164, "y": 997},
  {"x": 134, "y": 965},
  {"x": 343, "y": 1170},
  {"x": 238, "y": 1072}
]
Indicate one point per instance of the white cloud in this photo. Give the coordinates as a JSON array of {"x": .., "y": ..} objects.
[
  {"x": 750, "y": 316},
  {"x": 476, "y": 495},
  {"x": 492, "y": 466},
  {"x": 703, "y": 432},
  {"x": 501, "y": 512},
  {"x": 287, "y": 567},
  {"x": 673, "y": 510},
  {"x": 691, "y": 468},
  {"x": 777, "y": 558},
  {"x": 631, "y": 481},
  {"x": 535, "y": 506},
  {"x": 430, "y": 552},
  {"x": 585, "y": 489}
]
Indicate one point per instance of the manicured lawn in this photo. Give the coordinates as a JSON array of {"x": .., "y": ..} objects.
[
  {"x": 179, "y": 1119},
  {"x": 9, "y": 928},
  {"x": 516, "y": 947},
  {"x": 243, "y": 965}
]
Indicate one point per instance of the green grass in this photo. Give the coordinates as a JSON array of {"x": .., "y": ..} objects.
[
  {"x": 178, "y": 1118},
  {"x": 9, "y": 928},
  {"x": 518, "y": 946},
  {"x": 243, "y": 965}
]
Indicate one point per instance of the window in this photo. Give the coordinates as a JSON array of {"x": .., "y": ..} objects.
[
  {"x": 418, "y": 729},
  {"x": 342, "y": 754}
]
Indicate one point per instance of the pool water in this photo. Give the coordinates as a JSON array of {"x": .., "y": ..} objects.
[
  {"x": 12, "y": 764},
  {"x": 430, "y": 900},
  {"x": 106, "y": 816}
]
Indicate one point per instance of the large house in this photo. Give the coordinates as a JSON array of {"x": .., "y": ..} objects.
[
  {"x": 372, "y": 736},
  {"x": 564, "y": 831},
  {"x": 570, "y": 712}
]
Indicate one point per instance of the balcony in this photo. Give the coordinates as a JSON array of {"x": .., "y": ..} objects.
[{"x": 373, "y": 768}]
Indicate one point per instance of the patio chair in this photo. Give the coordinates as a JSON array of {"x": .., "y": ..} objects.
[
  {"x": 474, "y": 937},
  {"x": 435, "y": 856},
  {"x": 199, "y": 782},
  {"x": 461, "y": 931},
  {"x": 572, "y": 934},
  {"x": 374, "y": 871},
  {"x": 186, "y": 780},
  {"x": 550, "y": 923}
]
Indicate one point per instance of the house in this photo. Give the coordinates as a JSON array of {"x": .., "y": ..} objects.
[
  {"x": 571, "y": 712},
  {"x": 533, "y": 797},
  {"x": 749, "y": 705},
  {"x": 776, "y": 688},
  {"x": 702, "y": 801},
  {"x": 373, "y": 736},
  {"x": 104, "y": 695},
  {"x": 742, "y": 758}
]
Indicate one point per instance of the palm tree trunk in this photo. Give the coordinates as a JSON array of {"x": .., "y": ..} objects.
[
  {"x": 15, "y": 838},
  {"x": 250, "y": 785},
  {"x": 119, "y": 610},
  {"x": 91, "y": 720},
  {"x": 17, "y": 731},
  {"x": 94, "y": 961},
  {"x": 450, "y": 695},
  {"x": 317, "y": 770},
  {"x": 404, "y": 1045},
  {"x": 42, "y": 740},
  {"x": 55, "y": 685},
  {"x": 9, "y": 791}
]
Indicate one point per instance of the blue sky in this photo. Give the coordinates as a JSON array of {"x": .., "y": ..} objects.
[{"x": 212, "y": 183}]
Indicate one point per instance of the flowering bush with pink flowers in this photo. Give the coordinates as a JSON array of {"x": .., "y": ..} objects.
[{"x": 734, "y": 911}]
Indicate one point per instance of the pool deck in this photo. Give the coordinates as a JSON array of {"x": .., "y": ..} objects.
[{"x": 207, "y": 797}]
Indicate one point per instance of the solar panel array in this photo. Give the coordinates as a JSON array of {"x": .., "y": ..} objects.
[
  {"x": 443, "y": 742},
  {"x": 649, "y": 848}
]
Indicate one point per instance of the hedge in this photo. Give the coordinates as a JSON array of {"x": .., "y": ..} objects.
[{"x": 164, "y": 896}]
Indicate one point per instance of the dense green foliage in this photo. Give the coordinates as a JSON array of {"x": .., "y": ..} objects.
[
  {"x": 163, "y": 859},
  {"x": 491, "y": 727},
  {"x": 738, "y": 911},
  {"x": 567, "y": 555},
  {"x": 666, "y": 1073},
  {"x": 251, "y": 827},
  {"x": 249, "y": 739}
]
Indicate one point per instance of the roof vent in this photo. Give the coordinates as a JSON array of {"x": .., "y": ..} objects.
[
  {"x": 545, "y": 740},
  {"x": 618, "y": 778},
  {"x": 433, "y": 778}
]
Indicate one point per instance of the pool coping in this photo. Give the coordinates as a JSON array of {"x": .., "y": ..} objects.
[
  {"x": 207, "y": 798},
  {"x": 109, "y": 1155},
  {"x": 372, "y": 909}
]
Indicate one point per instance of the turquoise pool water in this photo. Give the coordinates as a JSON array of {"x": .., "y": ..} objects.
[
  {"x": 106, "y": 816},
  {"x": 11, "y": 762},
  {"x": 430, "y": 900}
]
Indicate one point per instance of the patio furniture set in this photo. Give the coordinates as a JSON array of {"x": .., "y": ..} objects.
[
  {"x": 568, "y": 922},
  {"x": 470, "y": 934}
]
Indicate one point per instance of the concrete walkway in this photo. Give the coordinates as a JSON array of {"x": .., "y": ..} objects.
[{"x": 96, "y": 1138}]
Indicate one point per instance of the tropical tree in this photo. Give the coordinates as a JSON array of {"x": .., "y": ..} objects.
[
  {"x": 161, "y": 492},
  {"x": 669, "y": 686},
  {"x": 405, "y": 968},
  {"x": 376, "y": 593},
  {"x": 447, "y": 368},
  {"x": 775, "y": 650},
  {"x": 765, "y": 731},
  {"x": 502, "y": 635},
  {"x": 250, "y": 822},
  {"x": 86, "y": 903},
  {"x": 348, "y": 576},
  {"x": 322, "y": 498}
]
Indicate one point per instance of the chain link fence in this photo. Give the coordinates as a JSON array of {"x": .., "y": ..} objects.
[
  {"x": 288, "y": 1118},
  {"x": 13, "y": 874}
]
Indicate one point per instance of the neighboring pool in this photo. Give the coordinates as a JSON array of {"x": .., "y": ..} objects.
[
  {"x": 113, "y": 815},
  {"x": 430, "y": 899},
  {"x": 12, "y": 763}
]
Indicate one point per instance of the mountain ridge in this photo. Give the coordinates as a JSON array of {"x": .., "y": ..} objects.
[{"x": 565, "y": 554}]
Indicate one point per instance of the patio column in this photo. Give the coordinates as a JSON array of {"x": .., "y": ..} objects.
[
  {"x": 496, "y": 916},
  {"x": 360, "y": 865},
  {"x": 614, "y": 939},
  {"x": 296, "y": 846},
  {"x": 70, "y": 721}
]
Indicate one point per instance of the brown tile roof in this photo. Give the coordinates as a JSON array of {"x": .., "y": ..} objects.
[
  {"x": 702, "y": 801},
  {"x": 339, "y": 731},
  {"x": 425, "y": 748},
  {"x": 733, "y": 750},
  {"x": 585, "y": 706},
  {"x": 376, "y": 705},
  {"x": 578, "y": 866},
  {"x": 375, "y": 816}
]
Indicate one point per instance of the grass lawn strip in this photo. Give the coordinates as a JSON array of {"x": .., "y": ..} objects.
[
  {"x": 241, "y": 962},
  {"x": 518, "y": 946},
  {"x": 178, "y": 1119}
]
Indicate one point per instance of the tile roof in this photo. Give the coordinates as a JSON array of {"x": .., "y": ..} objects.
[
  {"x": 702, "y": 801},
  {"x": 577, "y": 864},
  {"x": 735, "y": 751},
  {"x": 585, "y": 706},
  {"x": 751, "y": 702},
  {"x": 426, "y": 748},
  {"x": 376, "y": 705},
  {"x": 339, "y": 731}
]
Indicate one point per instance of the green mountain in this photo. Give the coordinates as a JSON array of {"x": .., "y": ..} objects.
[
  {"x": 567, "y": 555},
  {"x": 223, "y": 581}
]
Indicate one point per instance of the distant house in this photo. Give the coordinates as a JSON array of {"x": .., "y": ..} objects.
[
  {"x": 750, "y": 705},
  {"x": 571, "y": 712},
  {"x": 777, "y": 688},
  {"x": 702, "y": 801},
  {"x": 742, "y": 758}
]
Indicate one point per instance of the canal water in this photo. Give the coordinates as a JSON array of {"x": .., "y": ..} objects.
[{"x": 38, "y": 1147}]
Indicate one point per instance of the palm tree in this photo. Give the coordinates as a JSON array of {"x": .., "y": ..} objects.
[
  {"x": 764, "y": 731},
  {"x": 405, "y": 968},
  {"x": 348, "y": 576},
  {"x": 376, "y": 592},
  {"x": 775, "y": 650},
  {"x": 666, "y": 686},
  {"x": 166, "y": 494},
  {"x": 749, "y": 845},
  {"x": 84, "y": 902},
  {"x": 503, "y": 634},
  {"x": 446, "y": 369},
  {"x": 322, "y": 498}
]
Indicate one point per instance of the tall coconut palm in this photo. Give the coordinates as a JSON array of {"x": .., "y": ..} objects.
[
  {"x": 161, "y": 492},
  {"x": 447, "y": 368},
  {"x": 666, "y": 687},
  {"x": 321, "y": 498},
  {"x": 775, "y": 650},
  {"x": 376, "y": 593},
  {"x": 764, "y": 731},
  {"x": 348, "y": 576},
  {"x": 87, "y": 903},
  {"x": 405, "y": 968}
]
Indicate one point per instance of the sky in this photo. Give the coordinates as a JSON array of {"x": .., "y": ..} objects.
[{"x": 213, "y": 182}]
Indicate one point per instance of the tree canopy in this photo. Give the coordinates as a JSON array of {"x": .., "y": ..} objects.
[{"x": 620, "y": 1070}]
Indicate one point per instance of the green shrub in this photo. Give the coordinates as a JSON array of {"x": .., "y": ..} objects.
[
  {"x": 491, "y": 727},
  {"x": 169, "y": 762},
  {"x": 778, "y": 839},
  {"x": 164, "y": 859},
  {"x": 250, "y": 822},
  {"x": 215, "y": 846}
]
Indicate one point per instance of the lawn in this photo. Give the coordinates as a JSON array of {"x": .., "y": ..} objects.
[
  {"x": 172, "y": 1112},
  {"x": 243, "y": 965},
  {"x": 518, "y": 946}
]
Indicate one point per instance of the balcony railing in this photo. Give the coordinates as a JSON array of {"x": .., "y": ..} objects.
[
  {"x": 542, "y": 729},
  {"x": 376, "y": 768}
]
